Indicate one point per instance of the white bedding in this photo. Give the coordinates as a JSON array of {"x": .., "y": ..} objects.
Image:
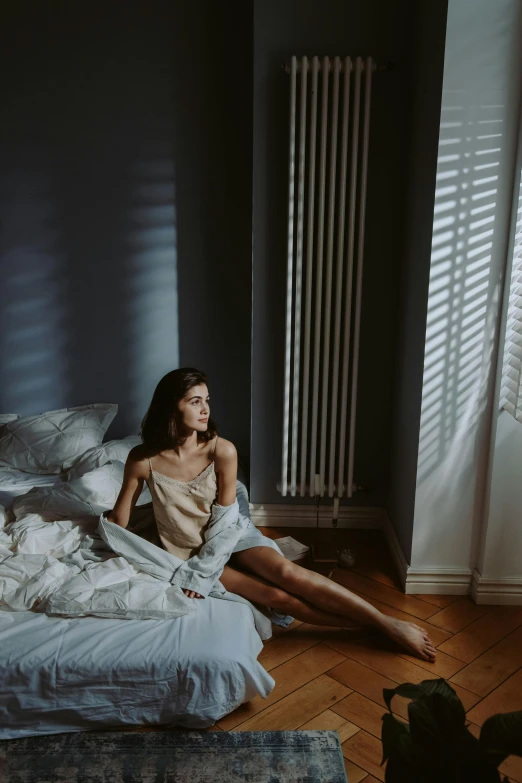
[
  {"x": 15, "y": 482},
  {"x": 61, "y": 674}
]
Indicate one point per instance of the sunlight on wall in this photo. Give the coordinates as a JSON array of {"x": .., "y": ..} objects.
[
  {"x": 473, "y": 206},
  {"x": 33, "y": 341},
  {"x": 151, "y": 288},
  {"x": 463, "y": 282}
]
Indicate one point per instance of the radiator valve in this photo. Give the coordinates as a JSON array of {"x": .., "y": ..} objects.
[{"x": 346, "y": 559}]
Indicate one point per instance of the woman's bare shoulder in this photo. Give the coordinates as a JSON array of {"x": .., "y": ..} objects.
[
  {"x": 225, "y": 450},
  {"x": 138, "y": 461}
]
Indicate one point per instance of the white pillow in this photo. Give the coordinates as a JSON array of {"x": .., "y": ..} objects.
[
  {"x": 7, "y": 417},
  {"x": 88, "y": 495},
  {"x": 54, "y": 441},
  {"x": 111, "y": 451}
]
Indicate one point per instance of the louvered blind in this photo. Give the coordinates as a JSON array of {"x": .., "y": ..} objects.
[{"x": 511, "y": 391}]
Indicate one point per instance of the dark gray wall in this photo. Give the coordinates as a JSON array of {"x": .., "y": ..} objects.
[
  {"x": 428, "y": 43},
  {"x": 212, "y": 49},
  {"x": 383, "y": 29},
  {"x": 125, "y": 204}
]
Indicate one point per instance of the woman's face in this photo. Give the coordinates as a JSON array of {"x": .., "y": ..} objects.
[{"x": 194, "y": 408}]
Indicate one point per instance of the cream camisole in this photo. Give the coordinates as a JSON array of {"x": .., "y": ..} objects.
[{"x": 183, "y": 508}]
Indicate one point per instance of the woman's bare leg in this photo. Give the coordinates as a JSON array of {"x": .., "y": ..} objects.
[
  {"x": 326, "y": 595},
  {"x": 254, "y": 588}
]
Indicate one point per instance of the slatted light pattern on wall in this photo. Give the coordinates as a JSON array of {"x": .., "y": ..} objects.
[{"x": 328, "y": 154}]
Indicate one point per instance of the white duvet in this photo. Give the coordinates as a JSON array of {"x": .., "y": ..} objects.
[{"x": 53, "y": 560}]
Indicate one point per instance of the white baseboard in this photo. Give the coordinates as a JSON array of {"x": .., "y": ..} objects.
[
  {"x": 420, "y": 581},
  {"x": 438, "y": 581},
  {"x": 506, "y": 591},
  {"x": 282, "y": 515},
  {"x": 425, "y": 581}
]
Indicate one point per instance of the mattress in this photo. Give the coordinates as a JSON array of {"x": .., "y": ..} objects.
[{"x": 64, "y": 675}]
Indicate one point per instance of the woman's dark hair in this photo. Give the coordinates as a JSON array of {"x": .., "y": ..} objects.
[{"x": 159, "y": 428}]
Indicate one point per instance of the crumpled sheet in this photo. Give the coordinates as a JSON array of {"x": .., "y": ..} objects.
[{"x": 65, "y": 567}]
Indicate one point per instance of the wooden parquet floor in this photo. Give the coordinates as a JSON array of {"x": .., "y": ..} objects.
[
  {"x": 329, "y": 678},
  {"x": 333, "y": 678}
]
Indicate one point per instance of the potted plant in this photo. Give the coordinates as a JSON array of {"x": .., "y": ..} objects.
[{"x": 437, "y": 745}]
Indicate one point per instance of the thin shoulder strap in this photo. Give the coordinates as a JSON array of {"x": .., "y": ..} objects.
[
  {"x": 150, "y": 465},
  {"x": 215, "y": 443}
]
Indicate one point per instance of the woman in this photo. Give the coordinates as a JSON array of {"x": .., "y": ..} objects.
[{"x": 179, "y": 439}]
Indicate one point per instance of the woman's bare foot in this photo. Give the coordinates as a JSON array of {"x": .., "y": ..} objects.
[{"x": 414, "y": 638}]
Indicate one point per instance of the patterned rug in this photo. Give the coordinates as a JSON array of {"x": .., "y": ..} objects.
[{"x": 174, "y": 757}]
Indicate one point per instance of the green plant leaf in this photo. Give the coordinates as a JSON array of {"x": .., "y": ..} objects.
[
  {"x": 395, "y": 737},
  {"x": 471, "y": 762},
  {"x": 501, "y": 735},
  {"x": 436, "y": 722},
  {"x": 404, "y": 761},
  {"x": 411, "y": 691},
  {"x": 437, "y": 747},
  {"x": 426, "y": 730},
  {"x": 403, "y": 770}
]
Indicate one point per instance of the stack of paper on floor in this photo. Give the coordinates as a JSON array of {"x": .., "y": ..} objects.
[{"x": 292, "y": 549}]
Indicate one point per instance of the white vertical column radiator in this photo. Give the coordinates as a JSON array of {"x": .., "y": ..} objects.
[{"x": 328, "y": 154}]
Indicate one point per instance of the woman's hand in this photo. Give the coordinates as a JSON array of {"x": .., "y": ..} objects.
[{"x": 191, "y": 593}]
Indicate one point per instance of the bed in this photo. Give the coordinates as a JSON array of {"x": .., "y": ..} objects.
[
  {"x": 60, "y": 674},
  {"x": 63, "y": 674}
]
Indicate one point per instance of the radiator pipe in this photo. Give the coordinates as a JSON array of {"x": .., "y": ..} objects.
[
  {"x": 388, "y": 66},
  {"x": 289, "y": 276},
  {"x": 358, "y": 295}
]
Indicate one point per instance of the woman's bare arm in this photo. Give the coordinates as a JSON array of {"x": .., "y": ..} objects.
[
  {"x": 226, "y": 472},
  {"x": 131, "y": 488}
]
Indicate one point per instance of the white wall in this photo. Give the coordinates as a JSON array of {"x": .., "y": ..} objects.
[
  {"x": 499, "y": 564},
  {"x": 503, "y": 537},
  {"x": 477, "y": 145}
]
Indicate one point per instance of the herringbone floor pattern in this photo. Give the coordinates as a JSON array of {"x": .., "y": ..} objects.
[{"x": 328, "y": 678}]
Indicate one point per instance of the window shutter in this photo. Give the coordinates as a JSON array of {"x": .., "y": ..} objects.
[{"x": 511, "y": 390}]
